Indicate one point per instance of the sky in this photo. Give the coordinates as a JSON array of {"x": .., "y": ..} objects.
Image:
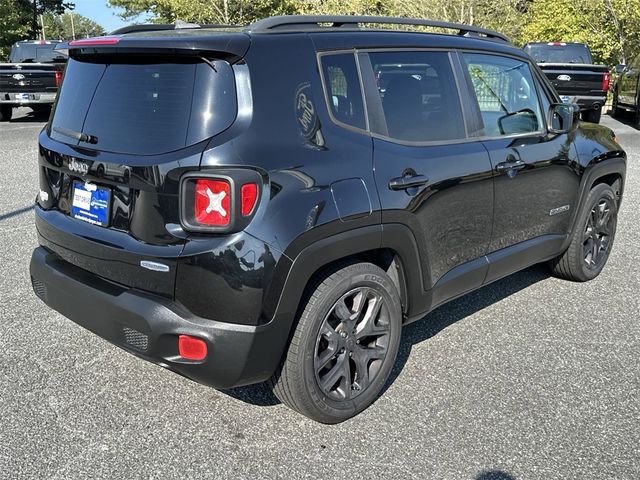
[{"x": 99, "y": 12}]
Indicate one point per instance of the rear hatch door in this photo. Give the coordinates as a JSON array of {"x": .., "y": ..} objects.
[{"x": 128, "y": 122}]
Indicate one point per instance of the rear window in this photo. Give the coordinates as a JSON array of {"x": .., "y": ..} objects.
[
  {"x": 559, "y": 53},
  {"x": 343, "y": 88},
  {"x": 144, "y": 108},
  {"x": 35, "y": 53}
]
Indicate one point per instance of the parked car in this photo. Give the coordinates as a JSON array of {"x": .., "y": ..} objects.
[
  {"x": 275, "y": 203},
  {"x": 31, "y": 78},
  {"x": 626, "y": 91},
  {"x": 570, "y": 68}
]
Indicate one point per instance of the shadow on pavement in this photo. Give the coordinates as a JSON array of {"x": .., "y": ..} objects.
[
  {"x": 15, "y": 213},
  {"x": 31, "y": 116},
  {"x": 495, "y": 475},
  {"x": 422, "y": 330},
  {"x": 626, "y": 119}
]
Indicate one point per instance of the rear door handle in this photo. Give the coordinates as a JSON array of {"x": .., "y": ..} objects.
[
  {"x": 409, "y": 181},
  {"x": 513, "y": 165}
]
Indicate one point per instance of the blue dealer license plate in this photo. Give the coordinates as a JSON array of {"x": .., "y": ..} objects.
[{"x": 91, "y": 203}]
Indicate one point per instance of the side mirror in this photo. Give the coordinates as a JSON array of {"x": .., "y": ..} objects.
[
  {"x": 620, "y": 68},
  {"x": 563, "y": 117}
]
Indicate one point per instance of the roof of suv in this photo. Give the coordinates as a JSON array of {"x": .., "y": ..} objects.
[
  {"x": 314, "y": 23},
  {"x": 336, "y": 32}
]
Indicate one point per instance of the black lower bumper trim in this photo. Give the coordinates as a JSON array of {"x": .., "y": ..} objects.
[{"x": 148, "y": 326}]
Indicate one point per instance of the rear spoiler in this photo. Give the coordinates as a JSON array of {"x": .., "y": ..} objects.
[{"x": 230, "y": 46}]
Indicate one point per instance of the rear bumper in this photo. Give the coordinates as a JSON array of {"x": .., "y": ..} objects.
[
  {"x": 37, "y": 98},
  {"x": 148, "y": 326},
  {"x": 587, "y": 102}
]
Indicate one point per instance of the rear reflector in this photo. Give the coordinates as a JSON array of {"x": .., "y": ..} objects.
[
  {"x": 212, "y": 203},
  {"x": 88, "y": 42},
  {"x": 249, "y": 194},
  {"x": 192, "y": 348}
]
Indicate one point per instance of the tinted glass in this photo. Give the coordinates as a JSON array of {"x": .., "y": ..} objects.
[
  {"x": 419, "y": 96},
  {"x": 144, "y": 108},
  {"x": 559, "y": 53},
  {"x": 505, "y": 93},
  {"x": 35, "y": 53},
  {"x": 343, "y": 88}
]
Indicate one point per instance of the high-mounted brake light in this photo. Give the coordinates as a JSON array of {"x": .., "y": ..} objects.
[
  {"x": 556, "y": 44},
  {"x": 192, "y": 348},
  {"x": 249, "y": 194},
  {"x": 212, "y": 202},
  {"x": 58, "y": 74},
  {"x": 96, "y": 41},
  {"x": 605, "y": 81}
]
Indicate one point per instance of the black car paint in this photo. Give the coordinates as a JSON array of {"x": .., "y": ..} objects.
[{"x": 244, "y": 288}]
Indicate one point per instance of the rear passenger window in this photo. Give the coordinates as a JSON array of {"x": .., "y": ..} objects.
[
  {"x": 343, "y": 89},
  {"x": 419, "y": 97},
  {"x": 506, "y": 94}
]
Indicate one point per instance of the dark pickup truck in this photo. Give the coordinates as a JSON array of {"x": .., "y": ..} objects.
[
  {"x": 31, "y": 78},
  {"x": 570, "y": 69}
]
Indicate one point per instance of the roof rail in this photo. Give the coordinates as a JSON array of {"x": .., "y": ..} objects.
[
  {"x": 313, "y": 22},
  {"x": 157, "y": 27}
]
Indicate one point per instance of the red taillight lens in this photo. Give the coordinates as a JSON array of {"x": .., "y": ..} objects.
[
  {"x": 58, "y": 74},
  {"x": 605, "y": 82},
  {"x": 212, "y": 202},
  {"x": 249, "y": 194},
  {"x": 192, "y": 348}
]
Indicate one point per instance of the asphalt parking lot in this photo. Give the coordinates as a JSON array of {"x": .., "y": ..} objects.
[{"x": 528, "y": 378}]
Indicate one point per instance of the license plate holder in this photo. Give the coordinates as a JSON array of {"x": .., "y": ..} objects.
[
  {"x": 91, "y": 203},
  {"x": 25, "y": 97}
]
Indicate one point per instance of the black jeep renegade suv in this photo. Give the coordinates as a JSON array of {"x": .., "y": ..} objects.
[{"x": 274, "y": 203}]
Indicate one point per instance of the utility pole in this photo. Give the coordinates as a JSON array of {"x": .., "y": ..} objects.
[
  {"x": 73, "y": 29},
  {"x": 44, "y": 35}
]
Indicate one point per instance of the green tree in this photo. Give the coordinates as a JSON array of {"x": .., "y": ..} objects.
[
  {"x": 227, "y": 12},
  {"x": 14, "y": 25},
  {"x": 66, "y": 25}
]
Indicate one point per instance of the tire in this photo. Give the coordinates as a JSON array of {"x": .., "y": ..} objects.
[
  {"x": 592, "y": 238},
  {"x": 6, "y": 112},
  {"x": 326, "y": 373},
  {"x": 592, "y": 116}
]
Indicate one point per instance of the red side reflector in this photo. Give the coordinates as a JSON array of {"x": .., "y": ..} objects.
[
  {"x": 249, "y": 193},
  {"x": 192, "y": 348},
  {"x": 88, "y": 42},
  {"x": 212, "y": 205},
  {"x": 605, "y": 82}
]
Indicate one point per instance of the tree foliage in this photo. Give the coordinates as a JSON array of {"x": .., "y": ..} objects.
[
  {"x": 14, "y": 25},
  {"x": 61, "y": 27}
]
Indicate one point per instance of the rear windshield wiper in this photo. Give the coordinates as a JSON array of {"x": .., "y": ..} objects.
[{"x": 83, "y": 137}]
